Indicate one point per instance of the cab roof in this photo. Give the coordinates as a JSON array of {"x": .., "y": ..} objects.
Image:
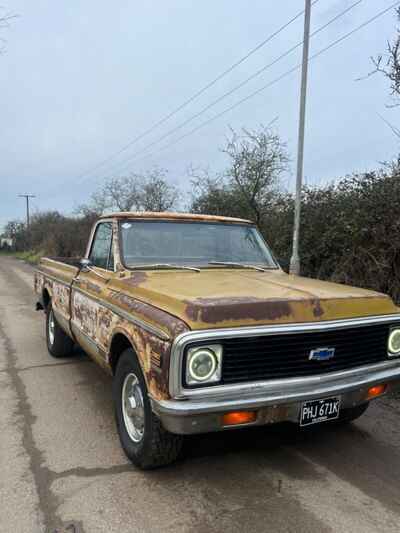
[{"x": 149, "y": 215}]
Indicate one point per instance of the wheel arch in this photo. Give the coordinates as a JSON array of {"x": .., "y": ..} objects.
[
  {"x": 119, "y": 343},
  {"x": 46, "y": 297}
]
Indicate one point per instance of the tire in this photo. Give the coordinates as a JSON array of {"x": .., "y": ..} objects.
[
  {"x": 59, "y": 344},
  {"x": 145, "y": 442},
  {"x": 352, "y": 413}
]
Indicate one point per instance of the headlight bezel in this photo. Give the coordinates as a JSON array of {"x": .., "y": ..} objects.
[
  {"x": 214, "y": 377},
  {"x": 390, "y": 352}
]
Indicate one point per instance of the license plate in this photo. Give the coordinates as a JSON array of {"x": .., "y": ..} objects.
[{"x": 316, "y": 411}]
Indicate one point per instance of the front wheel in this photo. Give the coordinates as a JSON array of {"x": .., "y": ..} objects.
[
  {"x": 58, "y": 342},
  {"x": 145, "y": 442}
]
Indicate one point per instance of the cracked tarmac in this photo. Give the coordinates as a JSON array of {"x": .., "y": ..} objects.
[{"x": 62, "y": 469}]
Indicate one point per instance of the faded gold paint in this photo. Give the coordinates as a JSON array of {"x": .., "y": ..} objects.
[
  {"x": 217, "y": 298},
  {"x": 175, "y": 301}
]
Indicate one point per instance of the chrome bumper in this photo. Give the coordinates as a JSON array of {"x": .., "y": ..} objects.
[{"x": 276, "y": 401}]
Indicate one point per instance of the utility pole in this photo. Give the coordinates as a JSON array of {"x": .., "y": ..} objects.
[
  {"x": 295, "y": 259},
  {"x": 27, "y": 196}
]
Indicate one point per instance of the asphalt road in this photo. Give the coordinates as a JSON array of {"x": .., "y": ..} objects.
[{"x": 62, "y": 469}]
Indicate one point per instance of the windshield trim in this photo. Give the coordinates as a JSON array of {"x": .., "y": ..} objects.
[{"x": 132, "y": 268}]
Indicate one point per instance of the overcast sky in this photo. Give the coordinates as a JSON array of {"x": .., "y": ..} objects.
[{"x": 80, "y": 79}]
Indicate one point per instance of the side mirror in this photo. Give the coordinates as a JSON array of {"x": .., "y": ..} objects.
[
  {"x": 85, "y": 264},
  {"x": 284, "y": 263}
]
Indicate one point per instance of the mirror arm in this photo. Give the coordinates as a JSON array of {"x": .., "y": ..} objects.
[
  {"x": 86, "y": 266},
  {"x": 97, "y": 273}
]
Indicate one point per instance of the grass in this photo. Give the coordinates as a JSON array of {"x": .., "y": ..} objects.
[{"x": 31, "y": 256}]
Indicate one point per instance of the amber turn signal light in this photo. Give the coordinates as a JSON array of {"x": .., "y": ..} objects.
[
  {"x": 239, "y": 417},
  {"x": 377, "y": 390}
]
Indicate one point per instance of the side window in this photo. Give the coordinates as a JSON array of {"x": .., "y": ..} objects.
[{"x": 101, "y": 254}]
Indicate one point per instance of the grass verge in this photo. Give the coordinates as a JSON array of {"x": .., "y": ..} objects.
[{"x": 31, "y": 256}]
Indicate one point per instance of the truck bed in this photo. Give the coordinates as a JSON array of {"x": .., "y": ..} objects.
[
  {"x": 62, "y": 268},
  {"x": 72, "y": 261}
]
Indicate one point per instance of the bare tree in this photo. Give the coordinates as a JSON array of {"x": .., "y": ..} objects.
[
  {"x": 157, "y": 194},
  {"x": 122, "y": 194},
  {"x": 5, "y": 18},
  {"x": 250, "y": 185},
  {"x": 257, "y": 162},
  {"x": 149, "y": 192},
  {"x": 389, "y": 64},
  {"x": 212, "y": 194}
]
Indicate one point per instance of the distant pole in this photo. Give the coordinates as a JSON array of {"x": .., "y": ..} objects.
[
  {"x": 295, "y": 259},
  {"x": 27, "y": 196}
]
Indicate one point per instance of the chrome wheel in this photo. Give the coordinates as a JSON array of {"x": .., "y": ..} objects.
[
  {"x": 51, "y": 328},
  {"x": 133, "y": 407}
]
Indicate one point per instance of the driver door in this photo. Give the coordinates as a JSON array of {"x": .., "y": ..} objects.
[{"x": 88, "y": 291}]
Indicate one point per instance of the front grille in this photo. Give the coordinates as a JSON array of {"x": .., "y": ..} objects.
[{"x": 287, "y": 355}]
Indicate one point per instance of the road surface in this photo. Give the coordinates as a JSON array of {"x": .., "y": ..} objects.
[{"x": 62, "y": 469}]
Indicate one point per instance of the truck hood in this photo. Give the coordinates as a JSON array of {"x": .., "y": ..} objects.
[{"x": 217, "y": 298}]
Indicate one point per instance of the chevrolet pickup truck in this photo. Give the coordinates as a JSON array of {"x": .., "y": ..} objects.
[{"x": 203, "y": 331}]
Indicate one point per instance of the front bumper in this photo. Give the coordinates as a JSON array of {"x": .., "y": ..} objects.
[{"x": 277, "y": 401}]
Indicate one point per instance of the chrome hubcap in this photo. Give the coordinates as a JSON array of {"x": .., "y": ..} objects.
[
  {"x": 133, "y": 407},
  {"x": 51, "y": 327}
]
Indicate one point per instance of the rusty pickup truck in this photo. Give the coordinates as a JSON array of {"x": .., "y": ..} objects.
[{"x": 203, "y": 331}]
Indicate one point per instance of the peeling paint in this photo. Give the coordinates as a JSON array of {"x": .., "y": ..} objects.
[
  {"x": 137, "y": 278},
  {"x": 94, "y": 287},
  {"x": 91, "y": 318},
  {"x": 317, "y": 308},
  {"x": 149, "y": 215},
  {"x": 214, "y": 310},
  {"x": 172, "y": 324}
]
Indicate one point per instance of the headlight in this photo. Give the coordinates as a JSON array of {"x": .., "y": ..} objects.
[
  {"x": 203, "y": 364},
  {"x": 394, "y": 343}
]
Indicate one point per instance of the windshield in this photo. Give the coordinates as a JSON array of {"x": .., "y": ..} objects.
[{"x": 192, "y": 244}]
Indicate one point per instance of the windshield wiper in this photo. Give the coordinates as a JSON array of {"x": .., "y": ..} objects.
[
  {"x": 237, "y": 265},
  {"x": 164, "y": 265}
]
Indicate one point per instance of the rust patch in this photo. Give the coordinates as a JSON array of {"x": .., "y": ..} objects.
[
  {"x": 157, "y": 386},
  {"x": 158, "y": 374},
  {"x": 78, "y": 314},
  {"x": 214, "y": 310},
  {"x": 39, "y": 282},
  {"x": 93, "y": 287},
  {"x": 60, "y": 298},
  {"x": 173, "y": 216},
  {"x": 84, "y": 313},
  {"x": 159, "y": 350},
  {"x": 317, "y": 308},
  {"x": 104, "y": 325},
  {"x": 104, "y": 320},
  {"x": 154, "y": 355},
  {"x": 136, "y": 279},
  {"x": 174, "y": 325}
]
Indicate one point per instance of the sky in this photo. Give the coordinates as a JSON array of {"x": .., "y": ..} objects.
[{"x": 80, "y": 80}]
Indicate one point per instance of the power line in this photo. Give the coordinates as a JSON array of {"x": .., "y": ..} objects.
[
  {"x": 239, "y": 86},
  {"x": 273, "y": 82},
  {"x": 196, "y": 94},
  {"x": 393, "y": 128}
]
